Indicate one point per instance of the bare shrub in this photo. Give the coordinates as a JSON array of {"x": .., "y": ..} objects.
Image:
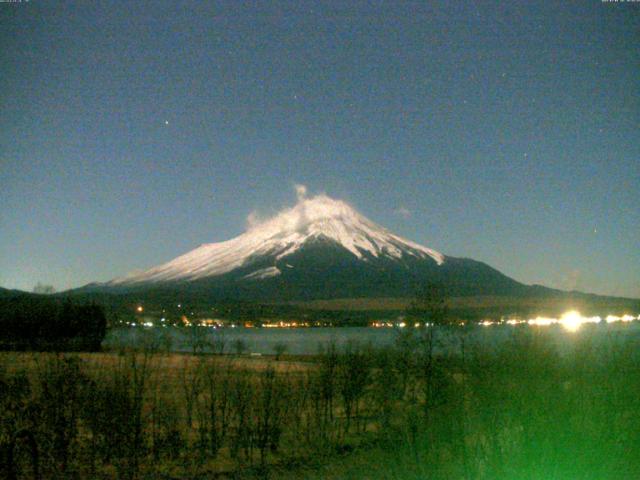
[
  {"x": 270, "y": 411},
  {"x": 214, "y": 411},
  {"x": 218, "y": 342},
  {"x": 241, "y": 400},
  {"x": 239, "y": 346},
  {"x": 17, "y": 425},
  {"x": 191, "y": 381},
  {"x": 60, "y": 385},
  {"x": 279, "y": 349},
  {"x": 353, "y": 378},
  {"x": 115, "y": 413}
]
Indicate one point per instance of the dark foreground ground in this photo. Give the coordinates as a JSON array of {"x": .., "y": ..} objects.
[{"x": 522, "y": 412}]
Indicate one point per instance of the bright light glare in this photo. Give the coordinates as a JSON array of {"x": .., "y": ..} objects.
[
  {"x": 542, "y": 321},
  {"x": 571, "y": 320}
]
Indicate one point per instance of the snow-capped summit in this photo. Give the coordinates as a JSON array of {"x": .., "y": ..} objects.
[
  {"x": 321, "y": 248},
  {"x": 267, "y": 244}
]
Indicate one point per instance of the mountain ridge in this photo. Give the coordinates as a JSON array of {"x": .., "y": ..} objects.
[{"x": 320, "y": 249}]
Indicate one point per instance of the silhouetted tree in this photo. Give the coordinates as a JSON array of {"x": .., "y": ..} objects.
[
  {"x": 279, "y": 349},
  {"x": 240, "y": 346},
  {"x": 44, "y": 289},
  {"x": 37, "y": 323}
]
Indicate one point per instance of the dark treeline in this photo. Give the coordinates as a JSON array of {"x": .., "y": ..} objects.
[
  {"x": 524, "y": 411},
  {"x": 35, "y": 322}
]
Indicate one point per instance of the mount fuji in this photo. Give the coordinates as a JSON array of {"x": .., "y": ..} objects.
[{"x": 321, "y": 248}]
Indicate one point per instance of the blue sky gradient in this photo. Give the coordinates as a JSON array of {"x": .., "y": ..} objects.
[{"x": 131, "y": 132}]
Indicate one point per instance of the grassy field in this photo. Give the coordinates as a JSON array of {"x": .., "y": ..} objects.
[{"x": 523, "y": 412}]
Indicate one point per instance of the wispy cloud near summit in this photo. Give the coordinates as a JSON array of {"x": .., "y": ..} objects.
[
  {"x": 404, "y": 212},
  {"x": 301, "y": 191}
]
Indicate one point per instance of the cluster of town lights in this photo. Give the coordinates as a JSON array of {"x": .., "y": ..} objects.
[{"x": 571, "y": 320}]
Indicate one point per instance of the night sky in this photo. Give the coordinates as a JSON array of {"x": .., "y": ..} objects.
[{"x": 507, "y": 132}]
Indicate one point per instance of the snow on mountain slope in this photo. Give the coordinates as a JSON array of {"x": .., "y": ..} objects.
[
  {"x": 263, "y": 273},
  {"x": 312, "y": 218}
]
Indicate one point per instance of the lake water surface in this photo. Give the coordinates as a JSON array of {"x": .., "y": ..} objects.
[{"x": 305, "y": 341}]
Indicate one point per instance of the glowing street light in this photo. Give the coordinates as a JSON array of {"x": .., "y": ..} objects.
[{"x": 571, "y": 320}]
